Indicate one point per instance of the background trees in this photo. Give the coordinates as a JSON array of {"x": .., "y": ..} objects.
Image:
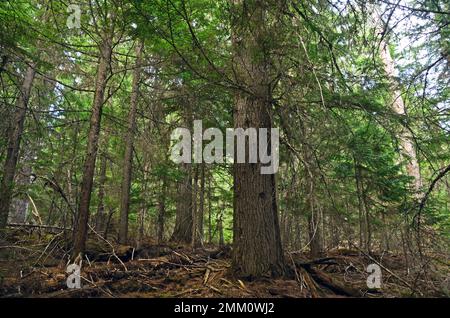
[{"x": 98, "y": 105}]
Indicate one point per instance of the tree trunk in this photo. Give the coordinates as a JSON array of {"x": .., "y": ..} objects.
[
  {"x": 100, "y": 217},
  {"x": 81, "y": 225},
  {"x": 198, "y": 208},
  {"x": 219, "y": 225},
  {"x": 363, "y": 208},
  {"x": 128, "y": 157},
  {"x": 161, "y": 214},
  {"x": 398, "y": 106},
  {"x": 313, "y": 210},
  {"x": 183, "y": 221},
  {"x": 20, "y": 203},
  {"x": 194, "y": 238},
  {"x": 201, "y": 209},
  {"x": 209, "y": 211},
  {"x": 257, "y": 246},
  {"x": 14, "y": 139},
  {"x": 315, "y": 242}
]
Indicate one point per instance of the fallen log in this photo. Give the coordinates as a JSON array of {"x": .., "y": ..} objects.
[
  {"x": 320, "y": 279},
  {"x": 332, "y": 284},
  {"x": 39, "y": 226}
]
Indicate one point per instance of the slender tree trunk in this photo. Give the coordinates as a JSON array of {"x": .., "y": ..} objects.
[
  {"x": 81, "y": 225},
  {"x": 364, "y": 218},
  {"x": 72, "y": 192},
  {"x": 209, "y": 211},
  {"x": 257, "y": 246},
  {"x": 313, "y": 215},
  {"x": 128, "y": 158},
  {"x": 161, "y": 214},
  {"x": 194, "y": 238},
  {"x": 143, "y": 208},
  {"x": 183, "y": 221},
  {"x": 20, "y": 203},
  {"x": 385, "y": 232},
  {"x": 108, "y": 223},
  {"x": 219, "y": 223},
  {"x": 141, "y": 225},
  {"x": 298, "y": 232},
  {"x": 314, "y": 236},
  {"x": 335, "y": 237},
  {"x": 101, "y": 217},
  {"x": 14, "y": 139},
  {"x": 198, "y": 207},
  {"x": 201, "y": 209}
]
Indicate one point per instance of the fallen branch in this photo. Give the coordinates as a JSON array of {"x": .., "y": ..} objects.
[
  {"x": 112, "y": 247},
  {"x": 431, "y": 187},
  {"x": 40, "y": 226},
  {"x": 388, "y": 270}
]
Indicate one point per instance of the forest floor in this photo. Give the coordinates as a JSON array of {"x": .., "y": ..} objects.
[{"x": 33, "y": 264}]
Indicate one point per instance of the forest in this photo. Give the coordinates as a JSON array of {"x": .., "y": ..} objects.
[{"x": 313, "y": 160}]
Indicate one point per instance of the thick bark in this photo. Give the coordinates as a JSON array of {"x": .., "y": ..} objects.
[
  {"x": 128, "y": 158},
  {"x": 81, "y": 225},
  {"x": 14, "y": 139},
  {"x": 257, "y": 246}
]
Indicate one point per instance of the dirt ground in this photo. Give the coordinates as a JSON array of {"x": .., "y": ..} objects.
[{"x": 34, "y": 265}]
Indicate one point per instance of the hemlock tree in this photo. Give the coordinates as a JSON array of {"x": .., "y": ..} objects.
[
  {"x": 105, "y": 49},
  {"x": 257, "y": 246},
  {"x": 128, "y": 157}
]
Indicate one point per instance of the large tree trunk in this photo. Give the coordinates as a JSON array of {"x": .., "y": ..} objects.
[
  {"x": 257, "y": 246},
  {"x": 14, "y": 139},
  {"x": 128, "y": 158},
  {"x": 81, "y": 224}
]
